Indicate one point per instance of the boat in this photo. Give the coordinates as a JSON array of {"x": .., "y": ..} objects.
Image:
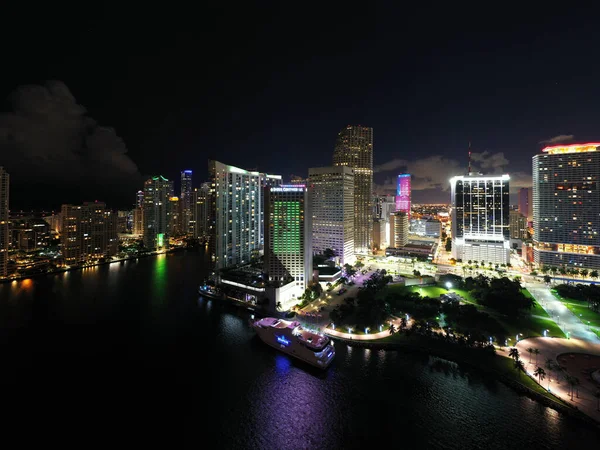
[
  {"x": 209, "y": 291},
  {"x": 289, "y": 337}
]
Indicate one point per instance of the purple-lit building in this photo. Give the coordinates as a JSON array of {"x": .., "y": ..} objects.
[
  {"x": 403, "y": 194},
  {"x": 526, "y": 203}
]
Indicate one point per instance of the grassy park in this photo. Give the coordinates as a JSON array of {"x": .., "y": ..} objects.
[{"x": 581, "y": 309}]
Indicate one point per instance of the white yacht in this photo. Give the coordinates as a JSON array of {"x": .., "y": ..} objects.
[{"x": 291, "y": 338}]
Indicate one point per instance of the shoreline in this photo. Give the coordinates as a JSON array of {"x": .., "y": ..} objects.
[
  {"x": 70, "y": 269},
  {"x": 514, "y": 384}
]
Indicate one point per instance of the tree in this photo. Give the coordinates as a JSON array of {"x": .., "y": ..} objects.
[
  {"x": 536, "y": 352},
  {"x": 278, "y": 305},
  {"x": 359, "y": 264},
  {"x": 547, "y": 279},
  {"x": 594, "y": 274},
  {"x": 448, "y": 245},
  {"x": 416, "y": 273},
  {"x": 328, "y": 253},
  {"x": 530, "y": 351},
  {"x": 514, "y": 353},
  {"x": 519, "y": 366},
  {"x": 392, "y": 328},
  {"x": 540, "y": 373}
]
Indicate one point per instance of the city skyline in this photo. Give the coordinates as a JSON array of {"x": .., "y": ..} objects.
[{"x": 473, "y": 83}]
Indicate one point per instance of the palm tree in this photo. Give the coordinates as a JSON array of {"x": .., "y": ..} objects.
[
  {"x": 540, "y": 373},
  {"x": 519, "y": 366},
  {"x": 536, "y": 352},
  {"x": 530, "y": 351},
  {"x": 514, "y": 353},
  {"x": 392, "y": 328},
  {"x": 594, "y": 274},
  {"x": 278, "y": 305},
  {"x": 571, "y": 380}
]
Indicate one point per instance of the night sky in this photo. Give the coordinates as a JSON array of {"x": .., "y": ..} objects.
[{"x": 269, "y": 88}]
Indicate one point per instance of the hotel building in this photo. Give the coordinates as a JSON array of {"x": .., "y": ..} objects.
[
  {"x": 566, "y": 206},
  {"x": 480, "y": 218},
  {"x": 331, "y": 191},
  {"x": 236, "y": 213},
  {"x": 288, "y": 241},
  {"x": 398, "y": 229},
  {"x": 354, "y": 149}
]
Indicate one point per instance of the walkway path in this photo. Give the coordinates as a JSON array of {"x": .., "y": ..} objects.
[
  {"x": 551, "y": 348},
  {"x": 563, "y": 317},
  {"x": 363, "y": 337}
]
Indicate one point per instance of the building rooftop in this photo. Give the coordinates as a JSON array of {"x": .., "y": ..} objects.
[{"x": 572, "y": 148}]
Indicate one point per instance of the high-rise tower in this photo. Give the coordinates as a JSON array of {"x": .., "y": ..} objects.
[
  {"x": 186, "y": 200},
  {"x": 288, "y": 236},
  {"x": 331, "y": 192},
  {"x": 354, "y": 149},
  {"x": 566, "y": 206},
  {"x": 480, "y": 218},
  {"x": 403, "y": 194},
  {"x": 157, "y": 191},
  {"x": 4, "y": 185}
]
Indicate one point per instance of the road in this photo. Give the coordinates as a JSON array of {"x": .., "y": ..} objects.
[{"x": 563, "y": 317}]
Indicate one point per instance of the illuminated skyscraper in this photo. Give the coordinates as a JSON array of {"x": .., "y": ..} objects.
[
  {"x": 288, "y": 236},
  {"x": 403, "y": 194},
  {"x": 157, "y": 191},
  {"x": 566, "y": 206},
  {"x": 139, "y": 199},
  {"x": 201, "y": 210},
  {"x": 4, "y": 235},
  {"x": 354, "y": 149},
  {"x": 480, "y": 218},
  {"x": 236, "y": 217},
  {"x": 186, "y": 200},
  {"x": 332, "y": 203}
]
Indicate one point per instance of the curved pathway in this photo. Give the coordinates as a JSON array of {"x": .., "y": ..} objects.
[{"x": 551, "y": 348}]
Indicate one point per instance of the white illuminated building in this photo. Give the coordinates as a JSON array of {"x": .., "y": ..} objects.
[{"x": 480, "y": 218}]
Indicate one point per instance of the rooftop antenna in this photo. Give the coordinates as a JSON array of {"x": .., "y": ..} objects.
[{"x": 469, "y": 158}]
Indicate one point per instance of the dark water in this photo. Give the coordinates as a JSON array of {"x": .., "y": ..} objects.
[{"x": 128, "y": 353}]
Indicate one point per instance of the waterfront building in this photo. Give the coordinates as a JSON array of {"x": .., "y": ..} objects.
[
  {"x": 139, "y": 199},
  {"x": 175, "y": 218},
  {"x": 236, "y": 213},
  {"x": 566, "y": 206},
  {"x": 157, "y": 191},
  {"x": 332, "y": 203},
  {"x": 403, "y": 188},
  {"x": 201, "y": 211},
  {"x": 354, "y": 149},
  {"x": 288, "y": 241},
  {"x": 89, "y": 233},
  {"x": 185, "y": 198},
  {"x": 480, "y": 218},
  {"x": 4, "y": 218},
  {"x": 138, "y": 221}
]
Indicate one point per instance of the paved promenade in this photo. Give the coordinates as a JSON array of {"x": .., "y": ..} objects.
[{"x": 552, "y": 348}]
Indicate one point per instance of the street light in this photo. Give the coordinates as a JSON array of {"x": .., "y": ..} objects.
[{"x": 448, "y": 285}]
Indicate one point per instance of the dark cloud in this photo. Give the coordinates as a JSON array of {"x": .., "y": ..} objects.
[{"x": 48, "y": 138}]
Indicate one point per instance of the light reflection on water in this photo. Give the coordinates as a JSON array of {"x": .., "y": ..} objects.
[{"x": 203, "y": 353}]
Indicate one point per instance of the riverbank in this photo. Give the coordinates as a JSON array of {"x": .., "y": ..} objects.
[
  {"x": 490, "y": 364},
  {"x": 74, "y": 268}
]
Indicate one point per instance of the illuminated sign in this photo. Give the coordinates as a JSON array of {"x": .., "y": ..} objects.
[
  {"x": 297, "y": 188},
  {"x": 283, "y": 340}
]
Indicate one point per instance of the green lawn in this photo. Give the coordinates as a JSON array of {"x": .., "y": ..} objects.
[
  {"x": 581, "y": 310},
  {"x": 425, "y": 291}
]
